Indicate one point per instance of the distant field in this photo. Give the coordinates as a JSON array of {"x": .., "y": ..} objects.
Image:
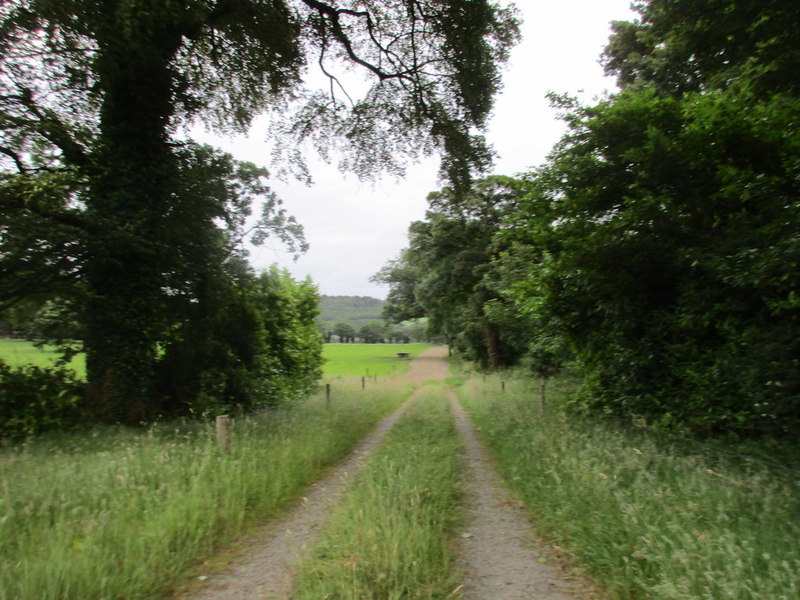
[
  {"x": 18, "y": 353},
  {"x": 341, "y": 360},
  {"x": 367, "y": 359}
]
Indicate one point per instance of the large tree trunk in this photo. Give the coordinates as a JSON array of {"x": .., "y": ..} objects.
[
  {"x": 130, "y": 195},
  {"x": 493, "y": 347}
]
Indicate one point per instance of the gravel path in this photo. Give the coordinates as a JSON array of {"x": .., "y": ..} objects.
[
  {"x": 266, "y": 570},
  {"x": 497, "y": 551}
]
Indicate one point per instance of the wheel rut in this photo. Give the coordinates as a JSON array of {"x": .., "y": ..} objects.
[
  {"x": 496, "y": 552},
  {"x": 266, "y": 570}
]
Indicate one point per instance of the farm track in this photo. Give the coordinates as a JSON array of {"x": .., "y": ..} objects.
[
  {"x": 266, "y": 570},
  {"x": 497, "y": 551}
]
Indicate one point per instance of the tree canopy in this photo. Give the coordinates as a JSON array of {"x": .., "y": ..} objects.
[
  {"x": 658, "y": 247},
  {"x": 104, "y": 204},
  {"x": 447, "y": 273}
]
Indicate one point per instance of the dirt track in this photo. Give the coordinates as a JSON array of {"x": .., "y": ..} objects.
[{"x": 498, "y": 553}]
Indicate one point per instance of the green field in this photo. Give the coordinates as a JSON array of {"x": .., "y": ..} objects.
[
  {"x": 18, "y": 353},
  {"x": 342, "y": 360}
]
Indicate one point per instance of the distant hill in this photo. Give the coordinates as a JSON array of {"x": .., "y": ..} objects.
[{"x": 356, "y": 310}]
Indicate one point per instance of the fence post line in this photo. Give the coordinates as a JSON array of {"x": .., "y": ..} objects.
[{"x": 224, "y": 433}]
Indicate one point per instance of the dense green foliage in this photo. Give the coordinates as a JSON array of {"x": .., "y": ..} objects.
[
  {"x": 669, "y": 519},
  {"x": 260, "y": 347},
  {"x": 349, "y": 309},
  {"x": 36, "y": 399},
  {"x": 658, "y": 247},
  {"x": 108, "y": 212},
  {"x": 668, "y": 259},
  {"x": 447, "y": 273}
]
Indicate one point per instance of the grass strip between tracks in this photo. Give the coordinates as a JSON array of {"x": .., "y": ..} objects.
[{"x": 390, "y": 536}]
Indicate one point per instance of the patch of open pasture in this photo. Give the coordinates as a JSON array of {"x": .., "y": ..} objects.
[
  {"x": 126, "y": 514},
  {"x": 368, "y": 360},
  {"x": 390, "y": 536},
  {"x": 648, "y": 516},
  {"x": 19, "y": 353}
]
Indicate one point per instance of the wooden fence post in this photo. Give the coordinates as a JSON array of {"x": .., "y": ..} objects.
[
  {"x": 503, "y": 386},
  {"x": 327, "y": 394},
  {"x": 363, "y": 382},
  {"x": 224, "y": 433},
  {"x": 543, "y": 397}
]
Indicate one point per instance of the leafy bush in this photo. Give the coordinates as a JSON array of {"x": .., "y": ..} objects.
[{"x": 35, "y": 399}]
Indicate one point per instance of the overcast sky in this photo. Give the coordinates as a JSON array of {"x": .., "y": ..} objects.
[{"x": 355, "y": 227}]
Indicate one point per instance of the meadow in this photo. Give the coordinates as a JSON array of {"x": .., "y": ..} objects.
[
  {"x": 118, "y": 513},
  {"x": 368, "y": 360},
  {"x": 646, "y": 515},
  {"x": 18, "y": 353},
  {"x": 341, "y": 360}
]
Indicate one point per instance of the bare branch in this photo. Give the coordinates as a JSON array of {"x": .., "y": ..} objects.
[
  {"x": 49, "y": 126},
  {"x": 333, "y": 78},
  {"x": 16, "y": 158},
  {"x": 333, "y": 14}
]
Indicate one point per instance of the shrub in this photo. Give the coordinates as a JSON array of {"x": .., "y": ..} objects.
[{"x": 35, "y": 399}]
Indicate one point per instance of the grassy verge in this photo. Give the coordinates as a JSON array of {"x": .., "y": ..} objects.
[
  {"x": 125, "y": 514},
  {"x": 649, "y": 518},
  {"x": 343, "y": 360},
  {"x": 389, "y": 537}
]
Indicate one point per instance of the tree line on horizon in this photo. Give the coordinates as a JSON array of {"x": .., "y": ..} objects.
[
  {"x": 656, "y": 253},
  {"x": 350, "y": 319}
]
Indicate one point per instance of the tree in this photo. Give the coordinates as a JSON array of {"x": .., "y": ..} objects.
[
  {"x": 372, "y": 332},
  {"x": 447, "y": 273},
  {"x": 398, "y": 335},
  {"x": 660, "y": 235},
  {"x": 90, "y": 96},
  {"x": 682, "y": 46},
  {"x": 345, "y": 332}
]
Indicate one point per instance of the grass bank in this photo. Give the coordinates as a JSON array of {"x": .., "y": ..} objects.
[
  {"x": 344, "y": 360},
  {"x": 648, "y": 517},
  {"x": 125, "y": 514},
  {"x": 389, "y": 537}
]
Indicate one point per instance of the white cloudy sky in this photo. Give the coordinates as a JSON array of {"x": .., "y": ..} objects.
[{"x": 355, "y": 227}]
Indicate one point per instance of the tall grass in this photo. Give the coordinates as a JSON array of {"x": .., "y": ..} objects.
[
  {"x": 389, "y": 537},
  {"x": 650, "y": 518},
  {"x": 123, "y": 514}
]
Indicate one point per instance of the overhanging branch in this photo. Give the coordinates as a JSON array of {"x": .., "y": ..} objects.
[{"x": 333, "y": 18}]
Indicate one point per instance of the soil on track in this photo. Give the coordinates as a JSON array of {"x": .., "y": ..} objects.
[{"x": 498, "y": 552}]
